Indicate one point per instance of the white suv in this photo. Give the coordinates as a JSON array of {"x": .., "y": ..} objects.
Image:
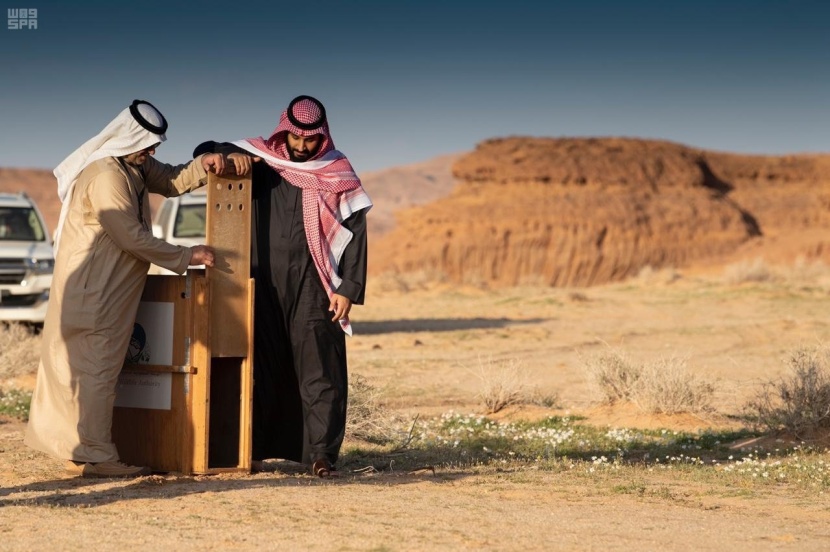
[
  {"x": 181, "y": 221},
  {"x": 26, "y": 260}
]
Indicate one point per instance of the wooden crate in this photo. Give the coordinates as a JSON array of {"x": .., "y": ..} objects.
[{"x": 190, "y": 412}]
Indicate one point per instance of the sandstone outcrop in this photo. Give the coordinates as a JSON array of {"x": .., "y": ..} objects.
[{"x": 579, "y": 212}]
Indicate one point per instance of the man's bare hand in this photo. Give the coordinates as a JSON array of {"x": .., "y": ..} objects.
[
  {"x": 213, "y": 162},
  {"x": 201, "y": 255},
  {"x": 242, "y": 162},
  {"x": 340, "y": 306}
]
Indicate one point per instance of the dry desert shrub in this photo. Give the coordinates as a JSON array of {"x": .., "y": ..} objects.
[
  {"x": 19, "y": 351},
  {"x": 748, "y": 271},
  {"x": 648, "y": 275},
  {"x": 664, "y": 386},
  {"x": 803, "y": 273},
  {"x": 368, "y": 420},
  {"x": 799, "y": 403},
  {"x": 667, "y": 386},
  {"x": 502, "y": 384},
  {"x": 537, "y": 397},
  {"x": 578, "y": 297},
  {"x": 808, "y": 273},
  {"x": 613, "y": 374}
]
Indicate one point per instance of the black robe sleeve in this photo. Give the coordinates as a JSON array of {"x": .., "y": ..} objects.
[
  {"x": 225, "y": 148},
  {"x": 353, "y": 262}
]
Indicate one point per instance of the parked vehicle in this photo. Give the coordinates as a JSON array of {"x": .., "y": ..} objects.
[
  {"x": 26, "y": 260},
  {"x": 181, "y": 221}
]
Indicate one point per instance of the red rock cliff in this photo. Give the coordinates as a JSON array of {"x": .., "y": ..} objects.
[{"x": 578, "y": 212}]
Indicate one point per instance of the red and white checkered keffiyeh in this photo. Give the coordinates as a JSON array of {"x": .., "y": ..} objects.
[{"x": 331, "y": 189}]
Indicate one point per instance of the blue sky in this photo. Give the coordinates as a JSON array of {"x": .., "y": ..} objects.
[{"x": 406, "y": 81}]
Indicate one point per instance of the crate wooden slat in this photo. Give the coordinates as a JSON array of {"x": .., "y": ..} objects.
[{"x": 229, "y": 233}]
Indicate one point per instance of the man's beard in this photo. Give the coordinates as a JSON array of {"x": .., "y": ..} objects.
[{"x": 309, "y": 155}]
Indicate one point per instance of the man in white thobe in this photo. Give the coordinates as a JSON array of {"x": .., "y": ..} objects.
[{"x": 104, "y": 247}]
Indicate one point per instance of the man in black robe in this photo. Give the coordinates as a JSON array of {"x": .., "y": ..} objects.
[{"x": 308, "y": 260}]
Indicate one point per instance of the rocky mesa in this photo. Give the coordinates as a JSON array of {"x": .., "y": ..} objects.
[{"x": 580, "y": 212}]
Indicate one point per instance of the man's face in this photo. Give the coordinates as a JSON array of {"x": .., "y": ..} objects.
[
  {"x": 302, "y": 148},
  {"x": 138, "y": 158}
]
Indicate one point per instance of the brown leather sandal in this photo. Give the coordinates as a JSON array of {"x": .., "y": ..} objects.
[{"x": 323, "y": 468}]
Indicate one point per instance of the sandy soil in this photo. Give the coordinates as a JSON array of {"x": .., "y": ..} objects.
[{"x": 426, "y": 349}]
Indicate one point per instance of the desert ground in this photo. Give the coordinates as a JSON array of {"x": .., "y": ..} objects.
[{"x": 429, "y": 349}]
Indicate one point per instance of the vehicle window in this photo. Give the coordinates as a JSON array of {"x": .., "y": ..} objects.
[
  {"x": 190, "y": 222},
  {"x": 164, "y": 214},
  {"x": 21, "y": 224}
]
